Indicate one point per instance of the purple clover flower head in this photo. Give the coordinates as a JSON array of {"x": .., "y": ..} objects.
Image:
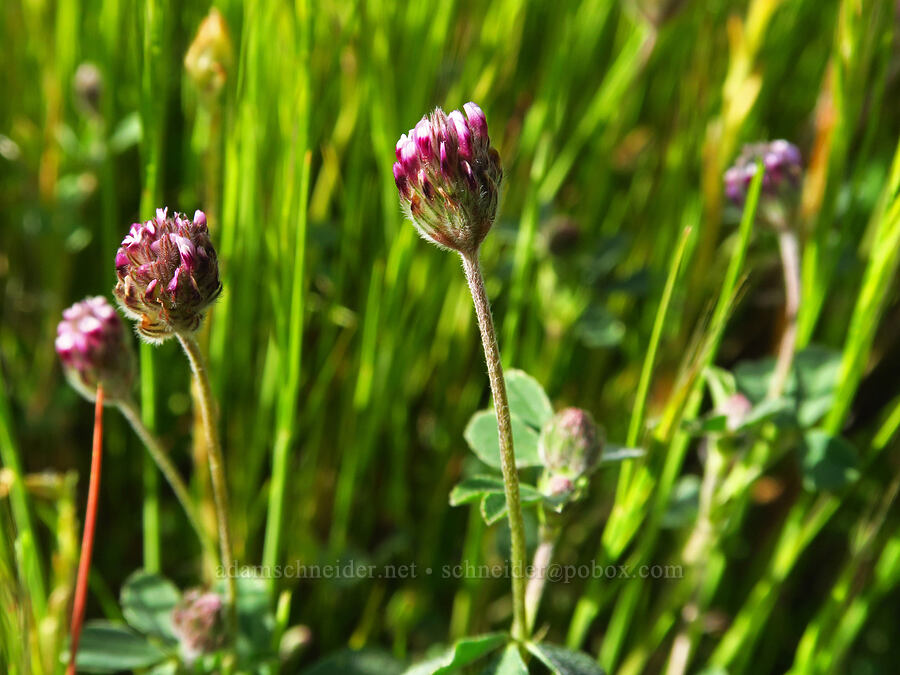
[
  {"x": 570, "y": 444},
  {"x": 449, "y": 177},
  {"x": 93, "y": 350},
  {"x": 198, "y": 622},
  {"x": 168, "y": 274},
  {"x": 783, "y": 170}
]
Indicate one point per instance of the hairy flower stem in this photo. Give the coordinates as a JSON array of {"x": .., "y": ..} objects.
[
  {"x": 504, "y": 426},
  {"x": 216, "y": 469},
  {"x": 543, "y": 555},
  {"x": 87, "y": 540},
  {"x": 130, "y": 411},
  {"x": 790, "y": 262}
]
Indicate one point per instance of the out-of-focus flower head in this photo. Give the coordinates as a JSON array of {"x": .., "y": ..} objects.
[
  {"x": 735, "y": 408},
  {"x": 209, "y": 57},
  {"x": 198, "y": 621},
  {"x": 168, "y": 274},
  {"x": 562, "y": 236},
  {"x": 570, "y": 444},
  {"x": 783, "y": 170},
  {"x": 93, "y": 350},
  {"x": 449, "y": 177},
  {"x": 88, "y": 85}
]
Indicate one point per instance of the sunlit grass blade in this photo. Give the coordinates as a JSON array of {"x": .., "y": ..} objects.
[
  {"x": 26, "y": 545},
  {"x": 884, "y": 254},
  {"x": 153, "y": 105}
]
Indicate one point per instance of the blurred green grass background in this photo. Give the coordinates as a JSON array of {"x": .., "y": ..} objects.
[{"x": 344, "y": 351}]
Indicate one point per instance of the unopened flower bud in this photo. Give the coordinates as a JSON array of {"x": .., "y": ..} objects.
[
  {"x": 735, "y": 408},
  {"x": 88, "y": 85},
  {"x": 570, "y": 443},
  {"x": 168, "y": 274},
  {"x": 93, "y": 350},
  {"x": 559, "y": 486},
  {"x": 783, "y": 170},
  {"x": 198, "y": 621},
  {"x": 449, "y": 177},
  {"x": 658, "y": 12},
  {"x": 562, "y": 235},
  {"x": 209, "y": 57}
]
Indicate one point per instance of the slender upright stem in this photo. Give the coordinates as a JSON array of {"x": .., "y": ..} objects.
[
  {"x": 507, "y": 455},
  {"x": 697, "y": 554},
  {"x": 790, "y": 262},
  {"x": 87, "y": 540},
  {"x": 203, "y": 488},
  {"x": 216, "y": 466},
  {"x": 129, "y": 410},
  {"x": 150, "y": 478},
  {"x": 540, "y": 564}
]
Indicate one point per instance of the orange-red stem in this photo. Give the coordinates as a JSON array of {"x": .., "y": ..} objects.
[{"x": 87, "y": 540}]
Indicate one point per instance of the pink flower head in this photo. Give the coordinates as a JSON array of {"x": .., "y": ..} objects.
[
  {"x": 735, "y": 408},
  {"x": 449, "y": 177},
  {"x": 198, "y": 623},
  {"x": 92, "y": 348},
  {"x": 783, "y": 170},
  {"x": 168, "y": 274}
]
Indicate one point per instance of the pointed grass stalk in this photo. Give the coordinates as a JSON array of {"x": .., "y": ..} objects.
[
  {"x": 286, "y": 412},
  {"x": 216, "y": 467},
  {"x": 889, "y": 427},
  {"x": 855, "y": 609},
  {"x": 153, "y": 100},
  {"x": 874, "y": 293},
  {"x": 852, "y": 78},
  {"x": 816, "y": 649},
  {"x": 587, "y": 606},
  {"x": 636, "y": 423},
  {"x": 804, "y": 522},
  {"x": 28, "y": 558},
  {"x": 87, "y": 541}
]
